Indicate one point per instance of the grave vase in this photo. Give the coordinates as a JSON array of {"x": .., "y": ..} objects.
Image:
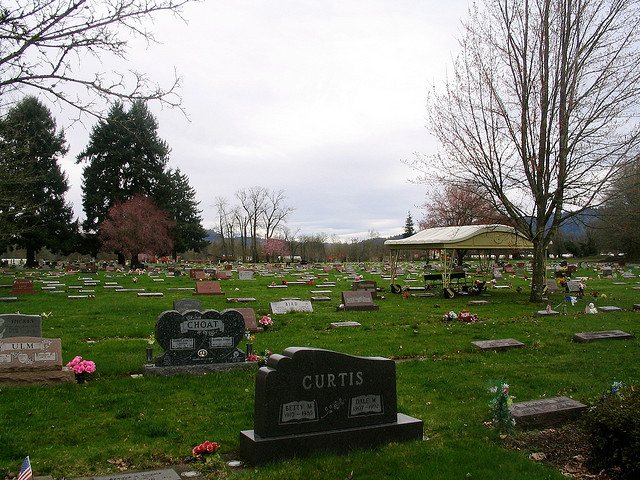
[{"x": 82, "y": 378}]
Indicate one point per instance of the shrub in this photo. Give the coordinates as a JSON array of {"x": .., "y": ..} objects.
[{"x": 613, "y": 425}]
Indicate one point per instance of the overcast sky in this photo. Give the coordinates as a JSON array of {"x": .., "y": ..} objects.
[{"x": 320, "y": 98}]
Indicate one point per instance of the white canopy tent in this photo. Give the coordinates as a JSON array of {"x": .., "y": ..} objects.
[{"x": 481, "y": 238}]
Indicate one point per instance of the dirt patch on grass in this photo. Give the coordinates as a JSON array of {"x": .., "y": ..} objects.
[{"x": 566, "y": 448}]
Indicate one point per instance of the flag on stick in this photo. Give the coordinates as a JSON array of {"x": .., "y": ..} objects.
[{"x": 25, "y": 470}]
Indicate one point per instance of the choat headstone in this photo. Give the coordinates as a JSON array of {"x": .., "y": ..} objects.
[
  {"x": 287, "y": 306},
  {"x": 18, "y": 325},
  {"x": 184, "y": 304},
  {"x": 208, "y": 288},
  {"x": 307, "y": 400},
  {"x": 32, "y": 360},
  {"x": 358, "y": 300},
  {"x": 198, "y": 338}
]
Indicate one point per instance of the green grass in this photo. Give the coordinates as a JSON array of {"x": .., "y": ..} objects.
[{"x": 81, "y": 430}]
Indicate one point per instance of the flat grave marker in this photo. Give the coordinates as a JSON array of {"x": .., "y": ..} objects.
[
  {"x": 8, "y": 299},
  {"x": 320, "y": 298},
  {"x": 546, "y": 412},
  {"x": 184, "y": 304},
  {"x": 287, "y": 306},
  {"x": 498, "y": 345},
  {"x": 546, "y": 313},
  {"x": 241, "y": 299},
  {"x": 166, "y": 474},
  {"x": 208, "y": 288},
  {"x": 150, "y": 294},
  {"x": 585, "y": 337},
  {"x": 609, "y": 308},
  {"x": 345, "y": 324},
  {"x": 478, "y": 302},
  {"x": 358, "y": 300},
  {"x": 309, "y": 399}
]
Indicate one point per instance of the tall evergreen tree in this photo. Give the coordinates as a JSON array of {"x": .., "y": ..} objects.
[
  {"x": 33, "y": 211},
  {"x": 178, "y": 199},
  {"x": 408, "y": 227},
  {"x": 125, "y": 157}
]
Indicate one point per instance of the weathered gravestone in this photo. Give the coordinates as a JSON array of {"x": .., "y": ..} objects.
[
  {"x": 32, "y": 360},
  {"x": 309, "y": 399},
  {"x": 208, "y": 288},
  {"x": 609, "y": 308},
  {"x": 245, "y": 275},
  {"x": 359, "y": 300},
  {"x": 345, "y": 324},
  {"x": 585, "y": 337},
  {"x": 17, "y": 325},
  {"x": 286, "y": 306},
  {"x": 22, "y": 286},
  {"x": 184, "y": 304},
  {"x": 196, "y": 342},
  {"x": 498, "y": 345},
  {"x": 249, "y": 316},
  {"x": 546, "y": 412},
  {"x": 366, "y": 286}
]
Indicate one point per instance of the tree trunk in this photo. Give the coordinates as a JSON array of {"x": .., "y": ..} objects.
[
  {"x": 539, "y": 270},
  {"x": 31, "y": 257},
  {"x": 121, "y": 260}
]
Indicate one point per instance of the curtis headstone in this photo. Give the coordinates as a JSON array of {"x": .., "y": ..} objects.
[{"x": 310, "y": 399}]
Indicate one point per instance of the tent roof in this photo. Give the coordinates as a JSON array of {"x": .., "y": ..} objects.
[{"x": 471, "y": 237}]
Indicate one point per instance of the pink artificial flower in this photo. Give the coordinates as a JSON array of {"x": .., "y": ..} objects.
[{"x": 89, "y": 366}]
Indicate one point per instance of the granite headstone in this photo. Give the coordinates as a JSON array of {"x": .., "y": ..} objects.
[
  {"x": 184, "y": 304},
  {"x": 311, "y": 399},
  {"x": 358, "y": 300},
  {"x": 196, "y": 338},
  {"x": 18, "y": 325}
]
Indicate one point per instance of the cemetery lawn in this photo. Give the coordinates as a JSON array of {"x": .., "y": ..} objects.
[{"x": 117, "y": 422}]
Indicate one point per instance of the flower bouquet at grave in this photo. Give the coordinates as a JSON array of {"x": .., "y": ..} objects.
[
  {"x": 467, "y": 316},
  {"x": 206, "y": 452},
  {"x": 265, "y": 322},
  {"x": 81, "y": 368},
  {"x": 501, "y": 402},
  {"x": 450, "y": 316}
]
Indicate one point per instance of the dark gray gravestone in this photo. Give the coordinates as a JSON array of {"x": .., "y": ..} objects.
[
  {"x": 367, "y": 286},
  {"x": 184, "y": 304},
  {"x": 168, "y": 474},
  {"x": 320, "y": 298},
  {"x": 585, "y": 337},
  {"x": 17, "y": 325},
  {"x": 502, "y": 344},
  {"x": 542, "y": 413},
  {"x": 197, "y": 338},
  {"x": 358, "y": 300},
  {"x": 310, "y": 399}
]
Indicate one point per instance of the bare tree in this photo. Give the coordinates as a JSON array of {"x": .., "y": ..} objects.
[
  {"x": 252, "y": 202},
  {"x": 43, "y": 42},
  {"x": 274, "y": 212},
  {"x": 540, "y": 110},
  {"x": 242, "y": 220},
  {"x": 291, "y": 239}
]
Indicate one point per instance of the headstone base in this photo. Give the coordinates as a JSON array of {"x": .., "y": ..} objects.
[
  {"x": 258, "y": 450},
  {"x": 150, "y": 369},
  {"x": 37, "y": 377}
]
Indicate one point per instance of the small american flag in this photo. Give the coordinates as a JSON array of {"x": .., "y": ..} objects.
[{"x": 25, "y": 470}]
